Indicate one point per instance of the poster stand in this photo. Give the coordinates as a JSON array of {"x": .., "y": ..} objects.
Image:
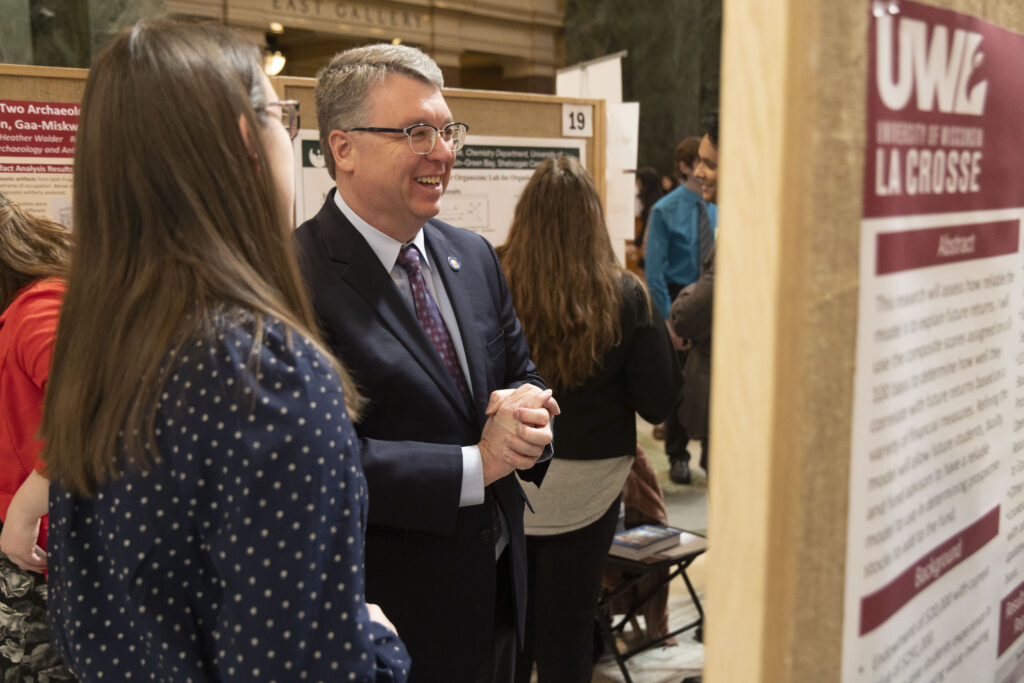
[
  {"x": 481, "y": 196},
  {"x": 794, "y": 135}
]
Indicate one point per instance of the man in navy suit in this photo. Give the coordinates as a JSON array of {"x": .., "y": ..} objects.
[{"x": 419, "y": 312}]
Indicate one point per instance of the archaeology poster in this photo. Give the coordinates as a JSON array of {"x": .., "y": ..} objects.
[
  {"x": 935, "y": 549},
  {"x": 37, "y": 147}
]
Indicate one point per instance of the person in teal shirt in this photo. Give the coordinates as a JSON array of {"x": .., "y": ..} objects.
[
  {"x": 673, "y": 250},
  {"x": 676, "y": 248}
]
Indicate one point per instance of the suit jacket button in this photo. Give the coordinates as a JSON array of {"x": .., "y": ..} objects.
[{"x": 487, "y": 536}]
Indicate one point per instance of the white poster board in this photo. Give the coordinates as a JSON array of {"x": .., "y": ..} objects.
[
  {"x": 623, "y": 145},
  {"x": 599, "y": 79},
  {"x": 312, "y": 182},
  {"x": 935, "y": 539}
]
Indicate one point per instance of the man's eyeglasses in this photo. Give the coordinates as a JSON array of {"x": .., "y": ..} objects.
[
  {"x": 423, "y": 136},
  {"x": 289, "y": 115}
]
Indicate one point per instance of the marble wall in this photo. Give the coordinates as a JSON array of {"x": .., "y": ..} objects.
[
  {"x": 109, "y": 17},
  {"x": 60, "y": 32},
  {"x": 15, "y": 32},
  {"x": 65, "y": 32},
  {"x": 672, "y": 67}
]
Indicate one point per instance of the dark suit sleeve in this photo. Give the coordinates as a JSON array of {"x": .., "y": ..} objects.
[
  {"x": 414, "y": 485},
  {"x": 519, "y": 369},
  {"x": 691, "y": 311}
]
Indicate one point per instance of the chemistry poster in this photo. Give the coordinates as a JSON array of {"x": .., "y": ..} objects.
[
  {"x": 935, "y": 550},
  {"x": 489, "y": 175},
  {"x": 487, "y": 178}
]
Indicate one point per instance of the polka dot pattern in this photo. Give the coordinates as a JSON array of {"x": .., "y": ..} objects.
[
  {"x": 239, "y": 555},
  {"x": 430, "y": 318}
]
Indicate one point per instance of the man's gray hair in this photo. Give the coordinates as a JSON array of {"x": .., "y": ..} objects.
[{"x": 343, "y": 86}]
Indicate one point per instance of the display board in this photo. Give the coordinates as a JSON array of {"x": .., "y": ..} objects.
[
  {"x": 486, "y": 180},
  {"x": 38, "y": 122},
  {"x": 510, "y": 133},
  {"x": 828, "y": 307},
  {"x": 601, "y": 78},
  {"x": 38, "y": 128},
  {"x": 935, "y": 546}
]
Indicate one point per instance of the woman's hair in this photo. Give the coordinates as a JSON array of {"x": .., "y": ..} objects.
[
  {"x": 566, "y": 285},
  {"x": 177, "y": 219},
  {"x": 31, "y": 248}
]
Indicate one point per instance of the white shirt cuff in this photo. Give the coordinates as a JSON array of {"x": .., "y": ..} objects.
[{"x": 472, "y": 477}]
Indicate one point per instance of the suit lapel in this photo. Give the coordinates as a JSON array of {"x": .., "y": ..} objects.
[
  {"x": 458, "y": 284},
  {"x": 359, "y": 266}
]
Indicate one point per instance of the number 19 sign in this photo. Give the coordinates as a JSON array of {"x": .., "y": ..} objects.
[{"x": 577, "y": 120}]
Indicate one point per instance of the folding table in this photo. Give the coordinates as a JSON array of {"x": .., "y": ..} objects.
[{"x": 677, "y": 560}]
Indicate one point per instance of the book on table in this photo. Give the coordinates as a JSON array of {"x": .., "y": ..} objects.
[
  {"x": 689, "y": 544},
  {"x": 645, "y": 540}
]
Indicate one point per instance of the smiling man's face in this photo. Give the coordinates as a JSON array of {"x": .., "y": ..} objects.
[
  {"x": 707, "y": 170},
  {"x": 387, "y": 184}
]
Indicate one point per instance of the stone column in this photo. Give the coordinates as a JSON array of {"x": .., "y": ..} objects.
[
  {"x": 60, "y": 33},
  {"x": 671, "y": 69},
  {"x": 522, "y": 75},
  {"x": 107, "y": 18},
  {"x": 15, "y": 32},
  {"x": 450, "y": 62}
]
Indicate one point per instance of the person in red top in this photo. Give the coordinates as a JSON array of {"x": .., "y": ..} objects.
[{"x": 33, "y": 258}]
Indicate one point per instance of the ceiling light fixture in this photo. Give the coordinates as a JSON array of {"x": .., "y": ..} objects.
[{"x": 273, "y": 62}]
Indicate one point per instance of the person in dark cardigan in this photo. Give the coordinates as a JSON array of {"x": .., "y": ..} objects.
[{"x": 597, "y": 343}]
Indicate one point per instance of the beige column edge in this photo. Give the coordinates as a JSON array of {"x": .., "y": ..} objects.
[
  {"x": 794, "y": 79},
  {"x": 757, "y": 402}
]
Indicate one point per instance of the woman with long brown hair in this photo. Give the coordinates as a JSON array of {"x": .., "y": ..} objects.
[
  {"x": 208, "y": 505},
  {"x": 596, "y": 343},
  {"x": 34, "y": 254}
]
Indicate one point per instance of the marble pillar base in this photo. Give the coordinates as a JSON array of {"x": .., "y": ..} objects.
[{"x": 15, "y": 32}]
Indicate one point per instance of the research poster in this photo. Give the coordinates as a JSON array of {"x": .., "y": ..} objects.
[
  {"x": 935, "y": 546},
  {"x": 486, "y": 180},
  {"x": 37, "y": 148},
  {"x": 489, "y": 176},
  {"x": 312, "y": 183}
]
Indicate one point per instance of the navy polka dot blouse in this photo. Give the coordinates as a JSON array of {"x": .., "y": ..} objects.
[{"x": 239, "y": 555}]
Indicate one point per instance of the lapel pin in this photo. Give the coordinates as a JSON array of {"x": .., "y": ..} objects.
[{"x": 453, "y": 263}]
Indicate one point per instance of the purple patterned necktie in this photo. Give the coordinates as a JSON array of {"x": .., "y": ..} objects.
[{"x": 430, "y": 318}]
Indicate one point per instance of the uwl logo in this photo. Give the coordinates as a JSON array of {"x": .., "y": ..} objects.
[{"x": 940, "y": 71}]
